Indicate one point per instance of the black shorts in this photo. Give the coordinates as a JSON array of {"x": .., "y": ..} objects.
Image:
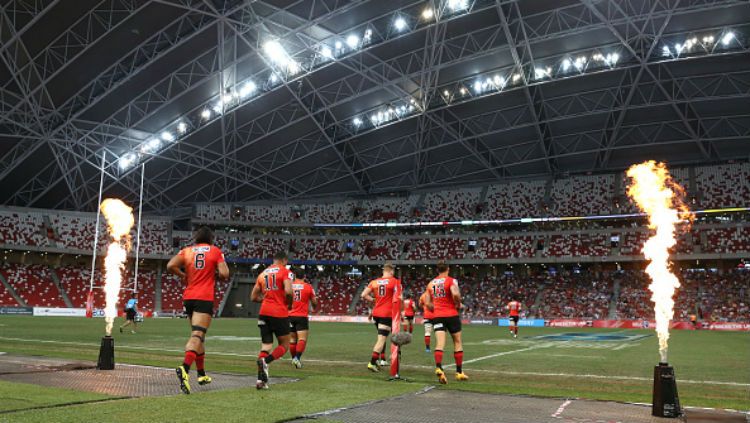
[
  {"x": 513, "y": 319},
  {"x": 270, "y": 326},
  {"x": 409, "y": 318},
  {"x": 382, "y": 321},
  {"x": 426, "y": 321},
  {"x": 198, "y": 306},
  {"x": 298, "y": 323},
  {"x": 129, "y": 314},
  {"x": 450, "y": 324}
]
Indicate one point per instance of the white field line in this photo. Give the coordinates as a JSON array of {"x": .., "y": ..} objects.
[
  {"x": 252, "y": 354},
  {"x": 561, "y": 408}
]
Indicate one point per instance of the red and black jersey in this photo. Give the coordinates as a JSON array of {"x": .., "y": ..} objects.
[
  {"x": 514, "y": 307},
  {"x": 201, "y": 261},
  {"x": 303, "y": 292},
  {"x": 439, "y": 289},
  {"x": 271, "y": 282},
  {"x": 409, "y": 308},
  {"x": 387, "y": 293}
]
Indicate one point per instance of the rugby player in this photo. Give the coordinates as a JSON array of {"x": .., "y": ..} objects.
[
  {"x": 409, "y": 308},
  {"x": 273, "y": 289},
  {"x": 303, "y": 296},
  {"x": 427, "y": 317},
  {"x": 385, "y": 292},
  {"x": 200, "y": 263},
  {"x": 444, "y": 299},
  {"x": 513, "y": 307},
  {"x": 131, "y": 309}
]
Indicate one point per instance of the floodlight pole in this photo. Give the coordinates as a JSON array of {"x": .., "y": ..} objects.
[
  {"x": 138, "y": 231},
  {"x": 96, "y": 228}
]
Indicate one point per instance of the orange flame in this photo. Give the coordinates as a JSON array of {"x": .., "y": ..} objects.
[
  {"x": 119, "y": 222},
  {"x": 659, "y": 196}
]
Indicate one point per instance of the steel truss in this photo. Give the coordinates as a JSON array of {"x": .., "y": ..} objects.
[{"x": 313, "y": 112}]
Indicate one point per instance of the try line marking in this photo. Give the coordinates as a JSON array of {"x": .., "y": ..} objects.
[{"x": 253, "y": 355}]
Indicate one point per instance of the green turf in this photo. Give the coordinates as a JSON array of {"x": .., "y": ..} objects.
[
  {"x": 17, "y": 396},
  {"x": 702, "y": 360}
]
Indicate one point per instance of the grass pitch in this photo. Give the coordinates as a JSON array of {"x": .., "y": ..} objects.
[{"x": 712, "y": 368}]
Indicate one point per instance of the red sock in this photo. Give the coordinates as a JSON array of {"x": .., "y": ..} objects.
[
  {"x": 278, "y": 352},
  {"x": 189, "y": 359},
  {"x": 200, "y": 360},
  {"x": 382, "y": 356},
  {"x": 427, "y": 341},
  {"x": 411, "y": 327},
  {"x": 439, "y": 358},
  {"x": 375, "y": 356},
  {"x": 515, "y": 330},
  {"x": 293, "y": 349},
  {"x": 262, "y": 354},
  {"x": 301, "y": 344},
  {"x": 459, "y": 357}
]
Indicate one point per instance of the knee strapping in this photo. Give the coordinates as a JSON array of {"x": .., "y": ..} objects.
[
  {"x": 199, "y": 328},
  {"x": 202, "y": 338},
  {"x": 383, "y": 332}
]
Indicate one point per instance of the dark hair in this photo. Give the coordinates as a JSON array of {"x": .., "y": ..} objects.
[
  {"x": 442, "y": 266},
  {"x": 203, "y": 235},
  {"x": 279, "y": 256}
]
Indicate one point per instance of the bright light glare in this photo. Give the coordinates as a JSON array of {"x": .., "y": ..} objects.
[
  {"x": 206, "y": 114},
  {"x": 167, "y": 136},
  {"x": 352, "y": 41},
  {"x": 566, "y": 64},
  {"x": 182, "y": 127},
  {"x": 727, "y": 38},
  {"x": 457, "y": 5},
  {"x": 665, "y": 51},
  {"x": 427, "y": 14},
  {"x": 247, "y": 89},
  {"x": 357, "y": 121},
  {"x": 126, "y": 161},
  {"x": 478, "y": 86},
  {"x": 276, "y": 52},
  {"x": 326, "y": 52},
  {"x": 151, "y": 145},
  {"x": 399, "y": 23}
]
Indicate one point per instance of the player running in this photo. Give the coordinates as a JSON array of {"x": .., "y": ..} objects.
[
  {"x": 409, "y": 308},
  {"x": 273, "y": 289},
  {"x": 131, "y": 310},
  {"x": 385, "y": 292},
  {"x": 444, "y": 298},
  {"x": 200, "y": 263},
  {"x": 303, "y": 296},
  {"x": 514, "y": 308},
  {"x": 427, "y": 316}
]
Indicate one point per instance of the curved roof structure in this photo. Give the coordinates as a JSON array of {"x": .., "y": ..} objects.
[{"x": 232, "y": 100}]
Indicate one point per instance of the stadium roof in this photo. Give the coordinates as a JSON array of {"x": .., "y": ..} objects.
[{"x": 332, "y": 97}]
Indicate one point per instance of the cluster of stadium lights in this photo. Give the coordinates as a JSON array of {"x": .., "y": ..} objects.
[{"x": 286, "y": 67}]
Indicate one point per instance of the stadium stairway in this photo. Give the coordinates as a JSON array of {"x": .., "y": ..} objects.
[
  {"x": 225, "y": 298},
  {"x": 355, "y": 300},
  {"x": 12, "y": 291},
  {"x": 52, "y": 241},
  {"x": 613, "y": 300},
  {"x": 537, "y": 302},
  {"x": 157, "y": 288},
  {"x": 63, "y": 293}
]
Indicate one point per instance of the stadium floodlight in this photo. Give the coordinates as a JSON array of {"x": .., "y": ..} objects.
[
  {"x": 326, "y": 52},
  {"x": 400, "y": 23},
  {"x": 566, "y": 64},
  {"x": 274, "y": 78},
  {"x": 540, "y": 73},
  {"x": 666, "y": 52},
  {"x": 126, "y": 161},
  {"x": 499, "y": 81},
  {"x": 678, "y": 48},
  {"x": 182, "y": 127},
  {"x": 709, "y": 39},
  {"x": 580, "y": 62},
  {"x": 462, "y": 91},
  {"x": 167, "y": 136},
  {"x": 357, "y": 122},
  {"x": 206, "y": 114},
  {"x": 611, "y": 59},
  {"x": 368, "y": 36},
  {"x": 227, "y": 98},
  {"x": 338, "y": 45},
  {"x": 727, "y": 38},
  {"x": 352, "y": 41},
  {"x": 516, "y": 77},
  {"x": 458, "y": 5},
  {"x": 478, "y": 86},
  {"x": 428, "y": 14},
  {"x": 446, "y": 93},
  {"x": 276, "y": 52},
  {"x": 320, "y": 268},
  {"x": 247, "y": 89},
  {"x": 151, "y": 146}
]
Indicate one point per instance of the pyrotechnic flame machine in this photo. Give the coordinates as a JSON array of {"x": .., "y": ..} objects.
[{"x": 661, "y": 198}]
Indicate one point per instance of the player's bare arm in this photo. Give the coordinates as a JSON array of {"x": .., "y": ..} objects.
[
  {"x": 256, "y": 295},
  {"x": 429, "y": 305},
  {"x": 289, "y": 293},
  {"x": 456, "y": 293},
  {"x": 223, "y": 271},
  {"x": 175, "y": 266},
  {"x": 367, "y": 295},
  {"x": 315, "y": 303}
]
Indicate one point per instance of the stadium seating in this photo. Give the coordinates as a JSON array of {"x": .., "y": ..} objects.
[
  {"x": 724, "y": 185},
  {"x": 34, "y": 284},
  {"x": 578, "y": 245},
  {"x": 437, "y": 248},
  {"x": 22, "y": 229},
  {"x": 576, "y": 296},
  {"x": 387, "y": 209},
  {"x": 75, "y": 281},
  {"x": 514, "y": 200},
  {"x": 582, "y": 195},
  {"x": 316, "y": 249},
  {"x": 726, "y": 297},
  {"x": 488, "y": 297},
  {"x": 336, "y": 294},
  {"x": 506, "y": 247},
  {"x": 6, "y": 299},
  {"x": 728, "y": 240},
  {"x": 378, "y": 249},
  {"x": 450, "y": 205},
  {"x": 336, "y": 212}
]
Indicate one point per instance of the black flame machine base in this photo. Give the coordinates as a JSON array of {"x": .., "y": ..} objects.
[
  {"x": 106, "y": 354},
  {"x": 666, "y": 403}
]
